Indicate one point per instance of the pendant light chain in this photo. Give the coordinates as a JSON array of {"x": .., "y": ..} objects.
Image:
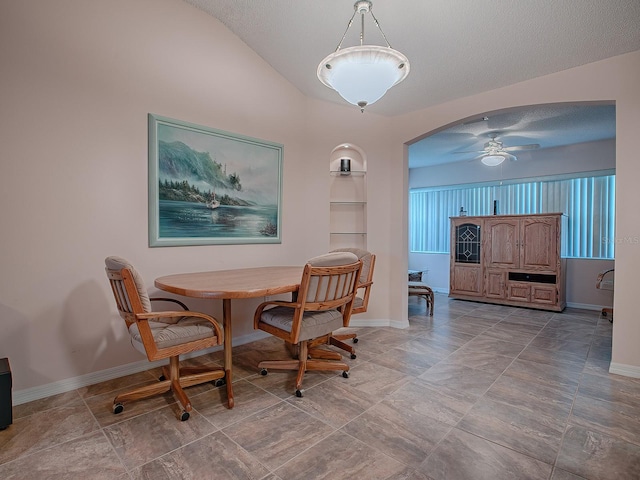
[
  {"x": 375, "y": 20},
  {"x": 345, "y": 32},
  {"x": 379, "y": 28}
]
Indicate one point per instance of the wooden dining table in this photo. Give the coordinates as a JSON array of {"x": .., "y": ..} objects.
[{"x": 227, "y": 285}]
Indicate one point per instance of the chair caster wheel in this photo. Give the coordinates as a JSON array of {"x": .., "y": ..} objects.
[
  {"x": 118, "y": 408},
  {"x": 162, "y": 378},
  {"x": 355, "y": 340},
  {"x": 219, "y": 382},
  {"x": 184, "y": 416},
  {"x": 299, "y": 393},
  {"x": 263, "y": 372},
  {"x": 345, "y": 374},
  {"x": 353, "y": 356}
]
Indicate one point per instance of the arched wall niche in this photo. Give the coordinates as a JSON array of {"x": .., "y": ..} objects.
[
  {"x": 352, "y": 152},
  {"x": 348, "y": 197}
]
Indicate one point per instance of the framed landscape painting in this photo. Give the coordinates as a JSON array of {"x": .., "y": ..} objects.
[{"x": 208, "y": 186}]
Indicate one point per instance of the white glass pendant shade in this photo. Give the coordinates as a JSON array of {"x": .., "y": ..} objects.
[
  {"x": 363, "y": 74},
  {"x": 492, "y": 160}
]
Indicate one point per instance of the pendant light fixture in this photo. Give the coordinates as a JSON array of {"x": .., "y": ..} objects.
[{"x": 363, "y": 74}]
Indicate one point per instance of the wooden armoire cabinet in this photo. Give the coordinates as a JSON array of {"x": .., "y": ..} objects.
[{"x": 509, "y": 259}]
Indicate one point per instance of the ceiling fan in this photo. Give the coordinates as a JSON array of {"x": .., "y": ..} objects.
[{"x": 495, "y": 152}]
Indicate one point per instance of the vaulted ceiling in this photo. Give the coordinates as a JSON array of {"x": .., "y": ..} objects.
[{"x": 456, "y": 48}]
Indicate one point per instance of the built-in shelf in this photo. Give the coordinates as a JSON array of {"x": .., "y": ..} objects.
[
  {"x": 348, "y": 202},
  {"x": 355, "y": 173}
]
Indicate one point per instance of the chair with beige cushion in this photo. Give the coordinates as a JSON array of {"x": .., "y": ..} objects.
[
  {"x": 361, "y": 302},
  {"x": 160, "y": 335},
  {"x": 323, "y": 304}
]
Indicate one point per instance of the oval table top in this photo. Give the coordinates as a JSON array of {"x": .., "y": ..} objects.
[{"x": 235, "y": 283}]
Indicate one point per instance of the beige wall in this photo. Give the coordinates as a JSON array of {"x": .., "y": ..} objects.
[{"x": 78, "y": 80}]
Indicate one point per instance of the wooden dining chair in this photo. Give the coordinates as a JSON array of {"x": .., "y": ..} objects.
[
  {"x": 323, "y": 304},
  {"x": 360, "y": 304},
  {"x": 160, "y": 335}
]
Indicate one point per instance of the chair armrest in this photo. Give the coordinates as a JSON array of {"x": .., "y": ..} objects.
[
  {"x": 162, "y": 299},
  {"x": 274, "y": 303},
  {"x": 142, "y": 319}
]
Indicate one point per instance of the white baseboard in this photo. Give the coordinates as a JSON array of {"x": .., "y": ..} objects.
[
  {"x": 68, "y": 384},
  {"x": 378, "y": 322},
  {"x": 625, "y": 370},
  {"x": 585, "y": 306}
]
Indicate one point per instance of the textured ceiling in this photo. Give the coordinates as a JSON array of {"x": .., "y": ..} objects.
[{"x": 456, "y": 48}]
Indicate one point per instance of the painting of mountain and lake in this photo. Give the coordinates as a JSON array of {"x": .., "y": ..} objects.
[{"x": 208, "y": 186}]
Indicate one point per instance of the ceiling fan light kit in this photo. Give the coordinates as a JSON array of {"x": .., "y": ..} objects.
[
  {"x": 495, "y": 152},
  {"x": 492, "y": 160},
  {"x": 363, "y": 74}
]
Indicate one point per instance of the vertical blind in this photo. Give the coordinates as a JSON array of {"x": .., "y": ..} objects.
[{"x": 588, "y": 202}]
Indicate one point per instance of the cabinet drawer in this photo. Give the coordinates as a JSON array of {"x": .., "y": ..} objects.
[
  {"x": 519, "y": 291},
  {"x": 544, "y": 294}
]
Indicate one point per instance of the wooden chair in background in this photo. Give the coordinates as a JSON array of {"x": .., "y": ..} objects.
[{"x": 360, "y": 304}]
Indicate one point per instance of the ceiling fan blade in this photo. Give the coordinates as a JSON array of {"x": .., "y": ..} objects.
[
  {"x": 516, "y": 148},
  {"x": 472, "y": 151}
]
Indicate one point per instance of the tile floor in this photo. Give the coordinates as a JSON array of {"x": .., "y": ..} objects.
[{"x": 475, "y": 392}]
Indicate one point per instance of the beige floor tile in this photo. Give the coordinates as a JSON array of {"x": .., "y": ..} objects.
[
  {"x": 334, "y": 402},
  {"x": 45, "y": 429},
  {"x": 61, "y": 400},
  {"x": 462, "y": 456},
  {"x": 86, "y": 457},
  {"x": 459, "y": 381},
  {"x": 118, "y": 384},
  {"x": 375, "y": 380},
  {"x": 403, "y": 434},
  {"x": 334, "y": 458},
  {"x": 214, "y": 457},
  {"x": 144, "y": 438},
  {"x": 277, "y": 434},
  {"x": 617, "y": 419},
  {"x": 527, "y": 432},
  {"x": 423, "y": 399},
  {"x": 248, "y": 399},
  {"x": 597, "y": 456}
]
